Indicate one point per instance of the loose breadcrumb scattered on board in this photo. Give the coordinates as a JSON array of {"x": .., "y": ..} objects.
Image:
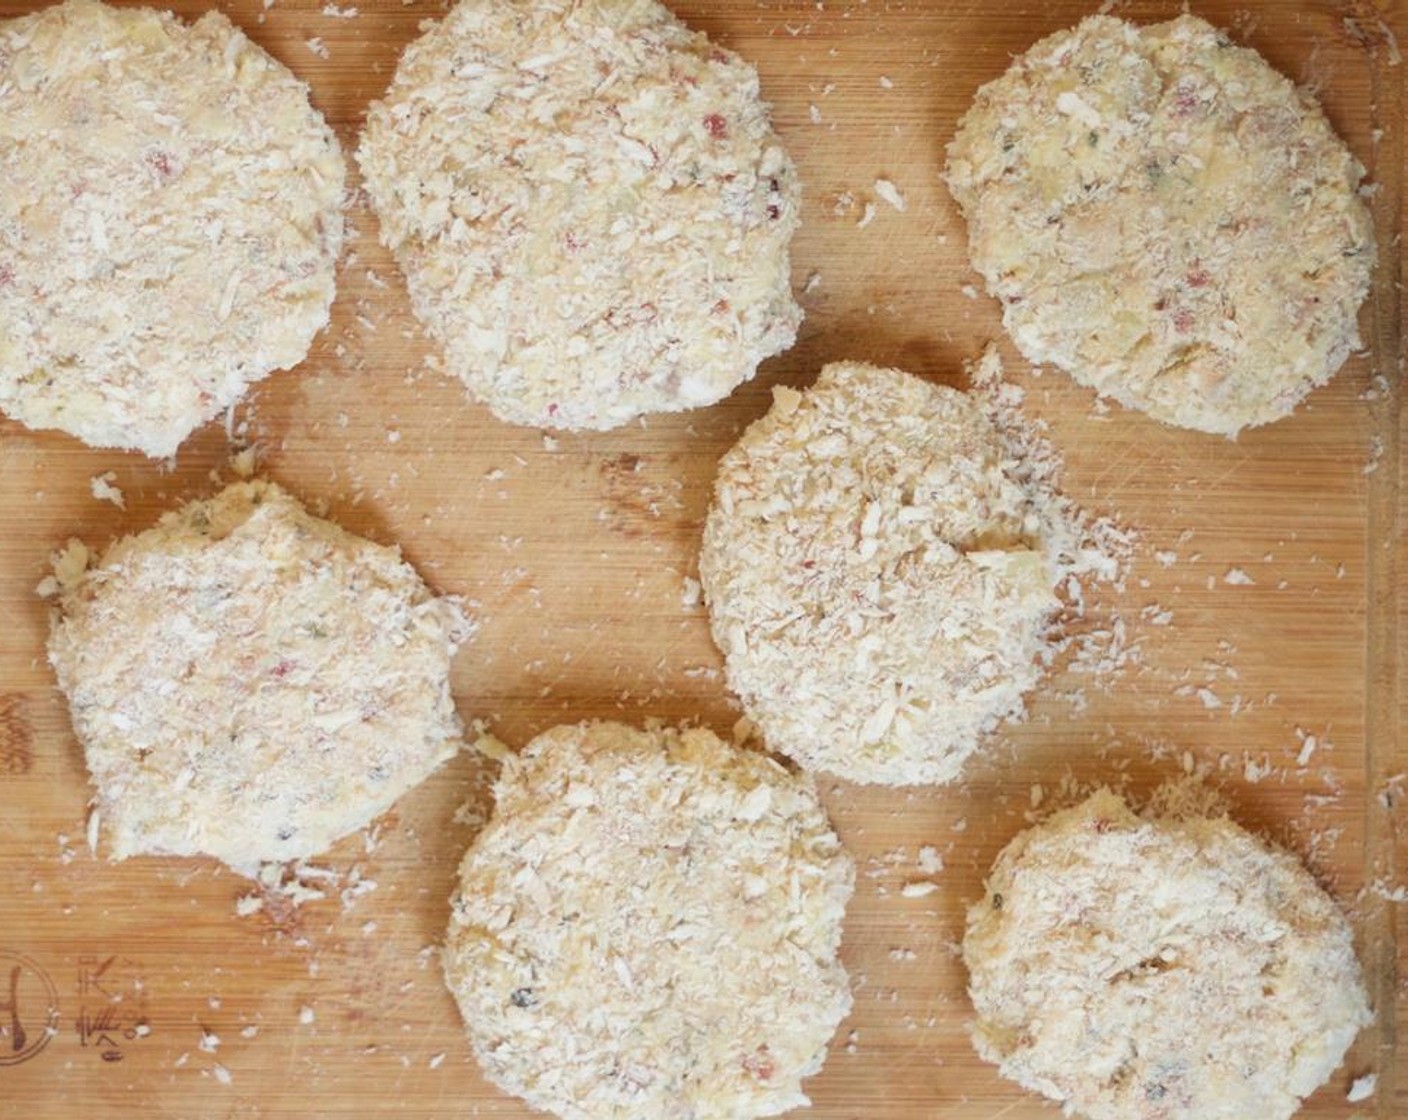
[
  {"x": 889, "y": 193},
  {"x": 102, "y": 488},
  {"x": 1363, "y": 1088}
]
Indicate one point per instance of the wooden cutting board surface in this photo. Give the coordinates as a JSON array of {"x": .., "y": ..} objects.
[{"x": 576, "y": 558}]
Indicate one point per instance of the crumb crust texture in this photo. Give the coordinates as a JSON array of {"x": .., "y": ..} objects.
[
  {"x": 170, "y": 221},
  {"x": 875, "y": 574},
  {"x": 1160, "y": 969},
  {"x": 648, "y": 928},
  {"x": 1168, "y": 219},
  {"x": 590, "y": 206},
  {"x": 251, "y": 682}
]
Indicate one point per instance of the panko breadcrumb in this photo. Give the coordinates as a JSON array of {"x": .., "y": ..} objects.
[
  {"x": 876, "y": 577},
  {"x": 1160, "y": 969},
  {"x": 170, "y": 220},
  {"x": 251, "y": 682},
  {"x": 590, "y": 206},
  {"x": 1168, "y": 219},
  {"x": 647, "y": 929}
]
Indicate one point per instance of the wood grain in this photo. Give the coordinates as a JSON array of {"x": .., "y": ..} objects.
[{"x": 576, "y": 557}]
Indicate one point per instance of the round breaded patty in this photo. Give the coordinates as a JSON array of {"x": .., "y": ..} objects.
[
  {"x": 170, "y": 219},
  {"x": 647, "y": 928},
  {"x": 251, "y": 682},
  {"x": 875, "y": 576},
  {"x": 1168, "y": 219},
  {"x": 1165, "y": 969},
  {"x": 590, "y": 206}
]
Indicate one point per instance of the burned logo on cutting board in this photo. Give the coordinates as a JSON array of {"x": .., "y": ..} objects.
[
  {"x": 29, "y": 1009},
  {"x": 112, "y": 1004}
]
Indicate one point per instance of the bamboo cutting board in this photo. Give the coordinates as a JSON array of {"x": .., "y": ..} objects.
[{"x": 575, "y": 552}]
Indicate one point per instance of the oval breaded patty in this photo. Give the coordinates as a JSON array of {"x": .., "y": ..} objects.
[
  {"x": 647, "y": 928},
  {"x": 590, "y": 206},
  {"x": 874, "y": 570},
  {"x": 251, "y": 682},
  {"x": 1168, "y": 219},
  {"x": 170, "y": 221},
  {"x": 1160, "y": 969}
]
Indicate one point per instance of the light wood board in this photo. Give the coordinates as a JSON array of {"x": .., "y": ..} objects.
[{"x": 577, "y": 557}]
